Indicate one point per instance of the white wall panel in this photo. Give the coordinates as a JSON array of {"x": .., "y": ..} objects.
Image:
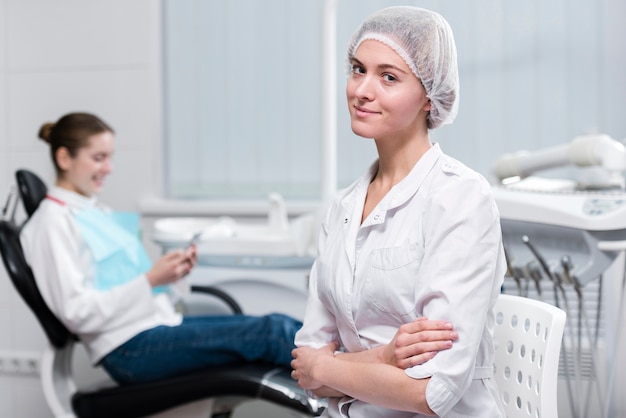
[
  {"x": 6, "y": 312},
  {"x": 111, "y": 33},
  {"x": 6, "y": 396},
  {"x": 613, "y": 62},
  {"x": 26, "y": 330},
  {"x": 3, "y": 25},
  {"x": 26, "y": 393},
  {"x": 4, "y": 91},
  {"x": 123, "y": 98}
]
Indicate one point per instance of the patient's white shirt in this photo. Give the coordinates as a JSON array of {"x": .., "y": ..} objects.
[{"x": 64, "y": 271}]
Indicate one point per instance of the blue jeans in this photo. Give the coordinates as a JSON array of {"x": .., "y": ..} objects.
[{"x": 200, "y": 342}]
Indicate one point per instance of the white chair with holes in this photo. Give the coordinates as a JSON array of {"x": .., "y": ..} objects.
[{"x": 528, "y": 335}]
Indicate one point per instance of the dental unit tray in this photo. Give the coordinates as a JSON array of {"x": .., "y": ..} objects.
[
  {"x": 558, "y": 220},
  {"x": 224, "y": 242}
]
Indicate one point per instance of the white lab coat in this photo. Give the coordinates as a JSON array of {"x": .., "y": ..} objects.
[
  {"x": 64, "y": 272},
  {"x": 432, "y": 247}
]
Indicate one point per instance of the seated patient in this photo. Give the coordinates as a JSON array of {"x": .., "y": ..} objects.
[
  {"x": 417, "y": 235},
  {"x": 97, "y": 279}
]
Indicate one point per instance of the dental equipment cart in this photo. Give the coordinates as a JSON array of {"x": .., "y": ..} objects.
[
  {"x": 566, "y": 246},
  {"x": 565, "y": 243}
]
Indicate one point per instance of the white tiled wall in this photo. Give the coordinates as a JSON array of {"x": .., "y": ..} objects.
[{"x": 100, "y": 56}]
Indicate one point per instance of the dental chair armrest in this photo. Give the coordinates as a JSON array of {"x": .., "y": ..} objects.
[{"x": 220, "y": 294}]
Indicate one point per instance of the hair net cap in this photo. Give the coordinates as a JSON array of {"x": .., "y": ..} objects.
[{"x": 425, "y": 41}]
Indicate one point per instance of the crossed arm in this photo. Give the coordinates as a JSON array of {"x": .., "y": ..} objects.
[{"x": 377, "y": 375}]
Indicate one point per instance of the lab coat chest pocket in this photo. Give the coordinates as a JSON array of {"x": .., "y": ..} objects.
[{"x": 392, "y": 280}]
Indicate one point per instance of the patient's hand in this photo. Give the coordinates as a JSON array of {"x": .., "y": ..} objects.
[
  {"x": 418, "y": 341},
  {"x": 172, "y": 267}
]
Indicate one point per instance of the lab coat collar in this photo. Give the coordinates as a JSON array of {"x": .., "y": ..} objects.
[
  {"x": 407, "y": 187},
  {"x": 397, "y": 196},
  {"x": 72, "y": 199}
]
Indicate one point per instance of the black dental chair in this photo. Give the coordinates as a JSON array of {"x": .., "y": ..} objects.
[
  {"x": 31, "y": 188},
  {"x": 227, "y": 386}
]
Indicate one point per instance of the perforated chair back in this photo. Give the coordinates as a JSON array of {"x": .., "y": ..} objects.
[
  {"x": 24, "y": 281},
  {"x": 32, "y": 189},
  {"x": 528, "y": 337}
]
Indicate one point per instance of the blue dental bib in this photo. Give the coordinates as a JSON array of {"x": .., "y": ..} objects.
[{"x": 113, "y": 238}]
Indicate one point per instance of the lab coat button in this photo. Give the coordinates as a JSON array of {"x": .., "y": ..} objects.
[{"x": 449, "y": 168}]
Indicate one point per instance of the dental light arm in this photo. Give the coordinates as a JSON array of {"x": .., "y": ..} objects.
[{"x": 583, "y": 151}]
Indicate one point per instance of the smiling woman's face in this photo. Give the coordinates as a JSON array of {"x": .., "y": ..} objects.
[
  {"x": 85, "y": 172},
  {"x": 384, "y": 97}
]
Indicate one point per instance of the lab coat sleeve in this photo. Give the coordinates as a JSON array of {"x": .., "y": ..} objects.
[
  {"x": 319, "y": 326},
  {"x": 463, "y": 269},
  {"x": 53, "y": 251}
]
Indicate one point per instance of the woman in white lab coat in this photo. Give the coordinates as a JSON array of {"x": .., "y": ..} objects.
[
  {"x": 95, "y": 276},
  {"x": 417, "y": 235}
]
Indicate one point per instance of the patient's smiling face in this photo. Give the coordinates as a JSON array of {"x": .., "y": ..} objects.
[{"x": 84, "y": 173}]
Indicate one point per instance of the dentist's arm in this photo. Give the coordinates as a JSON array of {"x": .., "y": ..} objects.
[
  {"x": 414, "y": 343},
  {"x": 374, "y": 383}
]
